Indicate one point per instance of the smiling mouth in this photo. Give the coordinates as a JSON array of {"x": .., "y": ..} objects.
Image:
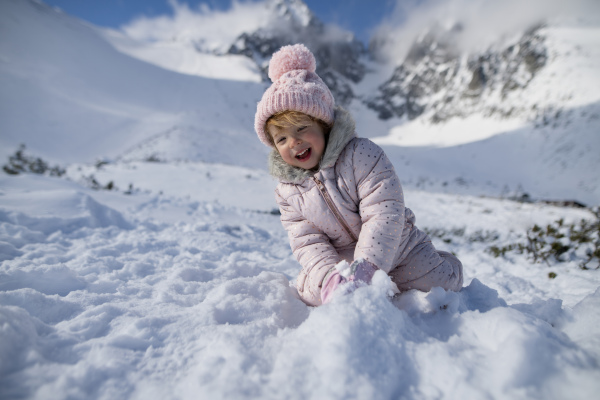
[{"x": 304, "y": 155}]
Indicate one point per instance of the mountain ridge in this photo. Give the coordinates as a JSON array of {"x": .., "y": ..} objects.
[{"x": 117, "y": 96}]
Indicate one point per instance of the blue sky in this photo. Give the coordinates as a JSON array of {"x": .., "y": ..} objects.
[{"x": 359, "y": 16}]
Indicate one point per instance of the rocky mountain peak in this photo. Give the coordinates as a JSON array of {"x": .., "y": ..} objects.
[
  {"x": 435, "y": 78},
  {"x": 338, "y": 53}
]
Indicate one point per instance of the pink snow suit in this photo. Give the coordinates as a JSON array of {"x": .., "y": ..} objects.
[{"x": 353, "y": 208}]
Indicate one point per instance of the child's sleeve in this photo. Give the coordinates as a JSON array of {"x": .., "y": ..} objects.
[
  {"x": 312, "y": 249},
  {"x": 381, "y": 206}
]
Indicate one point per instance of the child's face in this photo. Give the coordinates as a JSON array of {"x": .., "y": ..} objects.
[{"x": 301, "y": 146}]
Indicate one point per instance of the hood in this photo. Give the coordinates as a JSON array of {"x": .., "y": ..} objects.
[{"x": 342, "y": 132}]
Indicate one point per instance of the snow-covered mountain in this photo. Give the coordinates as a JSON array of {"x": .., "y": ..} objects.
[
  {"x": 258, "y": 30},
  {"x": 528, "y": 106},
  {"x": 519, "y": 117},
  {"x": 70, "y": 96},
  {"x": 438, "y": 80}
]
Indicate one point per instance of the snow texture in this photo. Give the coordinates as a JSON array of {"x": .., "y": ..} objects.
[{"x": 149, "y": 296}]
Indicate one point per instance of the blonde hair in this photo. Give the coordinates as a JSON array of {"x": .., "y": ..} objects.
[{"x": 285, "y": 119}]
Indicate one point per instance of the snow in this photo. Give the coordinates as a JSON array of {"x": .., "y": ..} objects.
[
  {"x": 185, "y": 58},
  {"x": 193, "y": 181},
  {"x": 153, "y": 296},
  {"x": 473, "y": 129},
  {"x": 180, "y": 280},
  {"x": 490, "y": 159},
  {"x": 92, "y": 101}
]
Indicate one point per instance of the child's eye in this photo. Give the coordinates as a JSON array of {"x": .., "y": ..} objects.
[
  {"x": 280, "y": 139},
  {"x": 300, "y": 129}
]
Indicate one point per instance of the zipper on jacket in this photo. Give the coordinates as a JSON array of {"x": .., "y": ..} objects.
[{"x": 333, "y": 208}]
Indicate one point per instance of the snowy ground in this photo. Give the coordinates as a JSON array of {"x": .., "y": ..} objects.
[{"x": 106, "y": 295}]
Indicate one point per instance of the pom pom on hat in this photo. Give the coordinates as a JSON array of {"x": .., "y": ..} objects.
[{"x": 290, "y": 58}]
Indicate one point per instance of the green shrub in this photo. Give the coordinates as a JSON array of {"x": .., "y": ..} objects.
[
  {"x": 21, "y": 163},
  {"x": 560, "y": 242},
  {"x": 448, "y": 235}
]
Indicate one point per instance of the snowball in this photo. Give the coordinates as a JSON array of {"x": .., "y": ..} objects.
[
  {"x": 343, "y": 268},
  {"x": 383, "y": 281}
]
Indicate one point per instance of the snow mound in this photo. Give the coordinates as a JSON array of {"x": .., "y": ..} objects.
[
  {"x": 65, "y": 211},
  {"x": 35, "y": 206}
]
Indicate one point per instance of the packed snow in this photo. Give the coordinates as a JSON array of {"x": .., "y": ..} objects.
[{"x": 178, "y": 282}]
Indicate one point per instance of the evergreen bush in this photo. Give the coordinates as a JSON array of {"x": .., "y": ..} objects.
[
  {"x": 560, "y": 242},
  {"x": 21, "y": 163}
]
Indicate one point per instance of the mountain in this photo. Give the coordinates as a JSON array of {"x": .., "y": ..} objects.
[
  {"x": 517, "y": 118},
  {"x": 525, "y": 104},
  {"x": 437, "y": 79},
  {"x": 439, "y": 82},
  {"x": 257, "y": 31},
  {"x": 338, "y": 53}
]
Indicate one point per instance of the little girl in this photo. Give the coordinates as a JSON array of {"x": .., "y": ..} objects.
[{"x": 340, "y": 198}]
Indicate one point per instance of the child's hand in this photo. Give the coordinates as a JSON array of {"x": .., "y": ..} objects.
[
  {"x": 331, "y": 283},
  {"x": 360, "y": 272}
]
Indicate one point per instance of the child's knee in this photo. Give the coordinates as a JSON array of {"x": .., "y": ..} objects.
[
  {"x": 454, "y": 268},
  {"x": 447, "y": 275}
]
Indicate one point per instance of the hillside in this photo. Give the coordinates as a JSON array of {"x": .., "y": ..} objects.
[
  {"x": 527, "y": 106},
  {"x": 70, "y": 96}
]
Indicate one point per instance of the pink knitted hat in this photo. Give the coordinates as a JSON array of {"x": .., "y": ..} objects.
[{"x": 295, "y": 87}]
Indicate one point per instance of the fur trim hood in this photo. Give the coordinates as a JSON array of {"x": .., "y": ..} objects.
[{"x": 342, "y": 132}]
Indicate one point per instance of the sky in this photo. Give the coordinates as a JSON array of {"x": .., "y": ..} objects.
[{"x": 358, "y": 16}]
